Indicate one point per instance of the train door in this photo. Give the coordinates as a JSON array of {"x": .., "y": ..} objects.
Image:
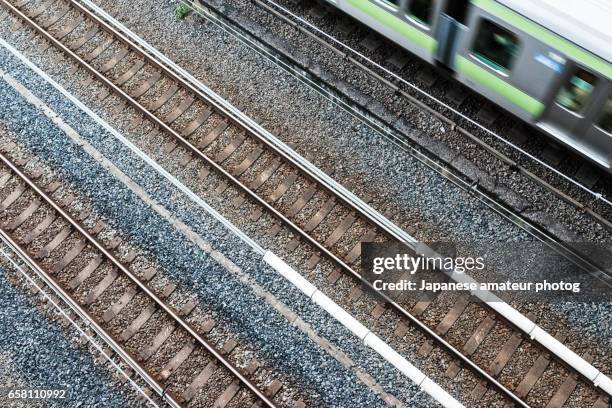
[
  {"x": 598, "y": 136},
  {"x": 450, "y": 26},
  {"x": 572, "y": 110}
]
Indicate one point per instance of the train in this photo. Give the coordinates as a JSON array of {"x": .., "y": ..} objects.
[{"x": 548, "y": 62}]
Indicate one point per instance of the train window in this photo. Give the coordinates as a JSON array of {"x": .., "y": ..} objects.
[
  {"x": 420, "y": 10},
  {"x": 576, "y": 92},
  {"x": 394, "y": 3},
  {"x": 605, "y": 121},
  {"x": 495, "y": 46}
]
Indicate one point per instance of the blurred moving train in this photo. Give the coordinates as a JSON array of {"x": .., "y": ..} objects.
[{"x": 546, "y": 61}]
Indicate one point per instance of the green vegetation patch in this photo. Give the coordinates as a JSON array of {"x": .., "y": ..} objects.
[{"x": 182, "y": 11}]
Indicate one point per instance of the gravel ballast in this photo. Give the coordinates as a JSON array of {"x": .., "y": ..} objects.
[
  {"x": 284, "y": 346},
  {"x": 37, "y": 353},
  {"x": 331, "y": 136}
]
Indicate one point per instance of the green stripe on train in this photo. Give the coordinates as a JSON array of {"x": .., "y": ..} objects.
[
  {"x": 573, "y": 51},
  {"x": 401, "y": 27},
  {"x": 499, "y": 86}
]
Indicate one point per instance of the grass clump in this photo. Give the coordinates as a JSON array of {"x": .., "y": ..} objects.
[{"x": 182, "y": 11}]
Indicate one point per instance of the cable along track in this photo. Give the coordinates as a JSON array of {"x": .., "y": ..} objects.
[
  {"x": 332, "y": 225},
  {"x": 55, "y": 242}
]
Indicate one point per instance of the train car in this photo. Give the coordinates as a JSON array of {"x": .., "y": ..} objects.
[{"x": 546, "y": 61}]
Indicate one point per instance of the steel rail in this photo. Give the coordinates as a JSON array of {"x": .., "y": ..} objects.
[
  {"x": 306, "y": 171},
  {"x": 363, "y": 209},
  {"x": 594, "y": 194},
  {"x": 377, "y": 219},
  {"x": 294, "y": 227},
  {"x": 160, "y": 303},
  {"x": 303, "y": 165},
  {"x": 84, "y": 315}
]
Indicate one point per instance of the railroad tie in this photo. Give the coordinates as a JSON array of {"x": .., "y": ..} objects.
[
  {"x": 127, "y": 296},
  {"x": 38, "y": 11},
  {"x": 355, "y": 253},
  {"x": 115, "y": 59},
  {"x": 212, "y": 135},
  {"x": 199, "y": 381},
  {"x": 355, "y": 294},
  {"x": 401, "y": 330},
  {"x": 43, "y": 225},
  {"x": 508, "y": 349},
  {"x": 23, "y": 216},
  {"x": 138, "y": 322},
  {"x": 68, "y": 28},
  {"x": 536, "y": 371},
  {"x": 320, "y": 215},
  {"x": 4, "y": 179},
  {"x": 422, "y": 304},
  {"x": 83, "y": 39},
  {"x": 481, "y": 332},
  {"x": 479, "y": 390},
  {"x": 567, "y": 388},
  {"x": 238, "y": 200},
  {"x": 12, "y": 197},
  {"x": 101, "y": 286},
  {"x": 21, "y": 3},
  {"x": 313, "y": 260},
  {"x": 378, "y": 311},
  {"x": 283, "y": 187},
  {"x": 230, "y": 148},
  {"x": 196, "y": 123},
  {"x": 168, "y": 290},
  {"x": 55, "y": 17},
  {"x": 453, "y": 315},
  {"x": 265, "y": 175},
  {"x": 54, "y": 243},
  {"x": 165, "y": 97},
  {"x": 228, "y": 394},
  {"x": 157, "y": 342},
  {"x": 293, "y": 244},
  {"x": 179, "y": 110},
  {"x": 333, "y": 277},
  {"x": 273, "y": 388},
  {"x": 255, "y": 215},
  {"x": 346, "y": 223},
  {"x": 221, "y": 187},
  {"x": 118, "y": 306},
  {"x": 127, "y": 75},
  {"x": 187, "y": 308},
  {"x": 176, "y": 361},
  {"x": 93, "y": 54},
  {"x": 248, "y": 161},
  {"x": 299, "y": 204},
  {"x": 146, "y": 85},
  {"x": 69, "y": 256},
  {"x": 276, "y": 228}
]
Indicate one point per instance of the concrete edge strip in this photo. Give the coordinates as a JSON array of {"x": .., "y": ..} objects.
[
  {"x": 373, "y": 341},
  {"x": 534, "y": 331},
  {"x": 370, "y": 339},
  {"x": 191, "y": 235},
  {"x": 505, "y": 310},
  {"x": 235, "y": 230}
]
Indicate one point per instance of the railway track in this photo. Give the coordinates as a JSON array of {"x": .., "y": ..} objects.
[
  {"x": 201, "y": 131},
  {"x": 472, "y": 120},
  {"x": 82, "y": 271}
]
